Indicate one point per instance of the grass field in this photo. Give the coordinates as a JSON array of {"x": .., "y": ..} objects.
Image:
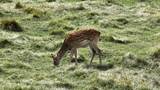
[{"x": 30, "y": 30}]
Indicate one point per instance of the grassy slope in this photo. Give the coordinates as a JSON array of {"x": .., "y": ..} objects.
[{"x": 130, "y": 35}]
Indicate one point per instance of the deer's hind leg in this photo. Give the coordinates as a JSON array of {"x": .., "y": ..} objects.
[{"x": 93, "y": 54}]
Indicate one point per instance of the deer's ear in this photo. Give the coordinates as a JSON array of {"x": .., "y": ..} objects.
[{"x": 52, "y": 56}]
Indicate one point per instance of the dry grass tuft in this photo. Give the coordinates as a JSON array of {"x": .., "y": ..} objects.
[
  {"x": 18, "y": 5},
  {"x": 156, "y": 54},
  {"x": 4, "y": 43},
  {"x": 11, "y": 25}
]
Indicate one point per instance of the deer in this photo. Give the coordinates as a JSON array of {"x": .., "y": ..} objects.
[{"x": 79, "y": 39}]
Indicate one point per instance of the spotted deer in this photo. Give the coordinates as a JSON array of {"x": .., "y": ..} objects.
[{"x": 79, "y": 39}]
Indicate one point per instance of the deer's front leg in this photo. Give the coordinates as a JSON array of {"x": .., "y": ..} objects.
[
  {"x": 71, "y": 55},
  {"x": 74, "y": 52},
  {"x": 98, "y": 51}
]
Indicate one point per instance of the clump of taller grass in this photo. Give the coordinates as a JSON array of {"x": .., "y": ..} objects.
[
  {"x": 18, "y": 5},
  {"x": 156, "y": 54},
  {"x": 5, "y": 43},
  {"x": 37, "y": 13},
  {"x": 11, "y": 25},
  {"x": 78, "y": 7},
  {"x": 31, "y": 10},
  {"x": 122, "y": 21}
]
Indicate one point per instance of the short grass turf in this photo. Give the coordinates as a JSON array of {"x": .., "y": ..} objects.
[{"x": 30, "y": 30}]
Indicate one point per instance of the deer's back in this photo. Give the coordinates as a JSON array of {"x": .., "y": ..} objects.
[
  {"x": 89, "y": 34},
  {"x": 81, "y": 37}
]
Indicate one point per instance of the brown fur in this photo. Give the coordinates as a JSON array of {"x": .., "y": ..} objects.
[{"x": 88, "y": 34}]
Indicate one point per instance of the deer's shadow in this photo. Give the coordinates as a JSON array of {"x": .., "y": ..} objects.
[{"x": 102, "y": 67}]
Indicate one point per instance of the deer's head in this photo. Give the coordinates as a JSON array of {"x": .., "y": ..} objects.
[{"x": 55, "y": 60}]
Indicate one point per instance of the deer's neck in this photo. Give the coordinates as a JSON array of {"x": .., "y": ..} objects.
[{"x": 62, "y": 51}]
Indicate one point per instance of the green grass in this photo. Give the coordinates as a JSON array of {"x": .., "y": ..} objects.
[{"x": 130, "y": 35}]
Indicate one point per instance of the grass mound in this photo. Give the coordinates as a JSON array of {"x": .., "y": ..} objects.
[
  {"x": 36, "y": 16},
  {"x": 156, "y": 54},
  {"x": 11, "y": 25},
  {"x": 18, "y": 5},
  {"x": 37, "y": 13},
  {"x": 122, "y": 21},
  {"x": 5, "y": 43},
  {"x": 77, "y": 7},
  {"x": 31, "y": 10}
]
